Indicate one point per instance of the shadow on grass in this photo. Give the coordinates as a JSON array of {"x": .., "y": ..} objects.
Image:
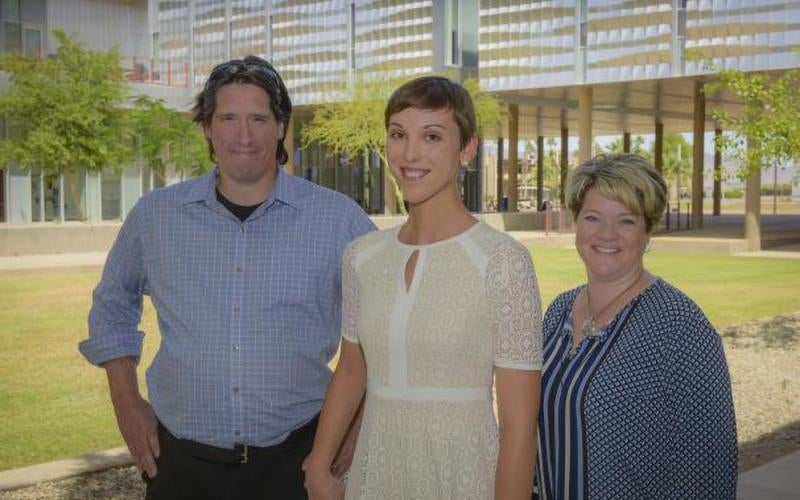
[{"x": 768, "y": 447}]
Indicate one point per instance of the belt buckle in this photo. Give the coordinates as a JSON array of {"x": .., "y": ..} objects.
[{"x": 243, "y": 455}]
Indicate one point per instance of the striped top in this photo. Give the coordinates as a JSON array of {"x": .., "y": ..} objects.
[{"x": 641, "y": 409}]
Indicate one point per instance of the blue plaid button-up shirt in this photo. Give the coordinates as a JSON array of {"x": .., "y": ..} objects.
[{"x": 249, "y": 312}]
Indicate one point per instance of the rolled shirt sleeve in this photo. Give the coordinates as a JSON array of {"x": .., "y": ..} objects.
[{"x": 117, "y": 299}]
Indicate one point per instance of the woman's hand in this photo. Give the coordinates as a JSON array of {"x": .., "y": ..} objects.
[{"x": 320, "y": 483}]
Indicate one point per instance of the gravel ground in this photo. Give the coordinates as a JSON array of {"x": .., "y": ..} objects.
[{"x": 764, "y": 360}]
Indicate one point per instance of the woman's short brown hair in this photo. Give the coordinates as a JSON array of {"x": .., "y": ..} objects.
[
  {"x": 627, "y": 178},
  {"x": 435, "y": 92}
]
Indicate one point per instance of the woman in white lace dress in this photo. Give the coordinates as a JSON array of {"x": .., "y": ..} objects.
[{"x": 436, "y": 312}]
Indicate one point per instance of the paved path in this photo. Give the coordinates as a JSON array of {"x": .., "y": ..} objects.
[
  {"x": 778, "y": 480},
  {"x": 96, "y": 259},
  {"x": 24, "y": 262}
]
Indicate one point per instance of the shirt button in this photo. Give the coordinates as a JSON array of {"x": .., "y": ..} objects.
[
  {"x": 238, "y": 269},
  {"x": 241, "y": 228},
  {"x": 235, "y": 347},
  {"x": 236, "y": 390},
  {"x": 236, "y": 308},
  {"x": 238, "y": 433}
]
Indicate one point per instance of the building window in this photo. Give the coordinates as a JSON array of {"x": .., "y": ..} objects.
[
  {"x": 9, "y": 10},
  {"x": 111, "y": 194},
  {"x": 352, "y": 35},
  {"x": 10, "y": 37},
  {"x": 454, "y": 24},
  {"x": 33, "y": 43}
]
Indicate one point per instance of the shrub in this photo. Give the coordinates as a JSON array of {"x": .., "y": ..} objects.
[{"x": 734, "y": 194}]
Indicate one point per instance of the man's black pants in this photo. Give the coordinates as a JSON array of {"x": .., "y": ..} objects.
[{"x": 193, "y": 471}]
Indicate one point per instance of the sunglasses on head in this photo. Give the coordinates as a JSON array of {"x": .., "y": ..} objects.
[{"x": 238, "y": 66}]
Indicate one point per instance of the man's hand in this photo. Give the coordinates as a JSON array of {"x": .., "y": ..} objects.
[
  {"x": 139, "y": 428},
  {"x": 136, "y": 421}
]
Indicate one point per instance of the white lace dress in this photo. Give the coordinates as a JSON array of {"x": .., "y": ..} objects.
[{"x": 429, "y": 430}]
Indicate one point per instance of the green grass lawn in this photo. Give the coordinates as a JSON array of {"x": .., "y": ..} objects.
[
  {"x": 54, "y": 405},
  {"x": 729, "y": 289}
]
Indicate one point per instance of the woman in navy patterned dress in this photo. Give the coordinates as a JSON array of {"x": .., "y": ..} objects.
[{"x": 636, "y": 397}]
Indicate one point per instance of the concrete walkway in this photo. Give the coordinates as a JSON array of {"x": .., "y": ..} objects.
[
  {"x": 778, "y": 480},
  {"x": 664, "y": 243},
  {"x": 62, "y": 469},
  {"x": 52, "y": 261}
]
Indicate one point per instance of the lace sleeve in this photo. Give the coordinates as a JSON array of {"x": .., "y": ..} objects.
[
  {"x": 516, "y": 307},
  {"x": 349, "y": 294}
]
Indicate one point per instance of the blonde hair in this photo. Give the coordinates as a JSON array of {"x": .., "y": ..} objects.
[{"x": 627, "y": 178}]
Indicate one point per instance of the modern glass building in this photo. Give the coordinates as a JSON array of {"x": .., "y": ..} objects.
[{"x": 563, "y": 68}]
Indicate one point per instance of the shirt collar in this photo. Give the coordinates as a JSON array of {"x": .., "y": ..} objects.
[{"x": 285, "y": 190}]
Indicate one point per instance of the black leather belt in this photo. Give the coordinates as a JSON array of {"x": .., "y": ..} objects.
[{"x": 241, "y": 453}]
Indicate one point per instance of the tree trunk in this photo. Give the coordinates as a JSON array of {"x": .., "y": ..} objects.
[
  {"x": 392, "y": 195},
  {"x": 752, "y": 207},
  {"x": 73, "y": 191}
]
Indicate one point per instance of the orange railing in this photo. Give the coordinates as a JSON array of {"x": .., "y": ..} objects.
[{"x": 157, "y": 71}]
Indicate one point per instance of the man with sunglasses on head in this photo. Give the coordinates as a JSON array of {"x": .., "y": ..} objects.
[{"x": 243, "y": 266}]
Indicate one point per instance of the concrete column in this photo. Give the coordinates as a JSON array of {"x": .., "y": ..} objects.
[
  {"x": 658, "y": 153},
  {"x": 500, "y": 189},
  {"x": 626, "y": 142},
  {"x": 479, "y": 199},
  {"x": 699, "y": 154},
  {"x": 288, "y": 143},
  {"x": 752, "y": 206},
  {"x": 61, "y": 217},
  {"x": 539, "y": 172},
  {"x": 513, "y": 147},
  {"x": 228, "y": 41},
  {"x": 562, "y": 199},
  {"x": 94, "y": 200},
  {"x": 717, "y": 173},
  {"x": 585, "y": 122},
  {"x": 19, "y": 202}
]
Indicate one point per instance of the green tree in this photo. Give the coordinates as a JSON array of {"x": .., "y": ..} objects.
[
  {"x": 167, "y": 137},
  {"x": 769, "y": 120},
  {"x": 356, "y": 127},
  {"x": 765, "y": 132},
  {"x": 637, "y": 147},
  {"x": 65, "y": 111},
  {"x": 488, "y": 108}
]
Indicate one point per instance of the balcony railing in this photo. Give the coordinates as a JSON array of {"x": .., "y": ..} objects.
[{"x": 156, "y": 71}]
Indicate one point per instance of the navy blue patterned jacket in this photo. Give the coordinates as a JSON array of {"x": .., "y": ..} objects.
[{"x": 642, "y": 410}]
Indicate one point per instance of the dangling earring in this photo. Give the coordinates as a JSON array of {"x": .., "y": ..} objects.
[{"x": 647, "y": 246}]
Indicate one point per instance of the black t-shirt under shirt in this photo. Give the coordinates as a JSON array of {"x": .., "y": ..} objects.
[{"x": 240, "y": 211}]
